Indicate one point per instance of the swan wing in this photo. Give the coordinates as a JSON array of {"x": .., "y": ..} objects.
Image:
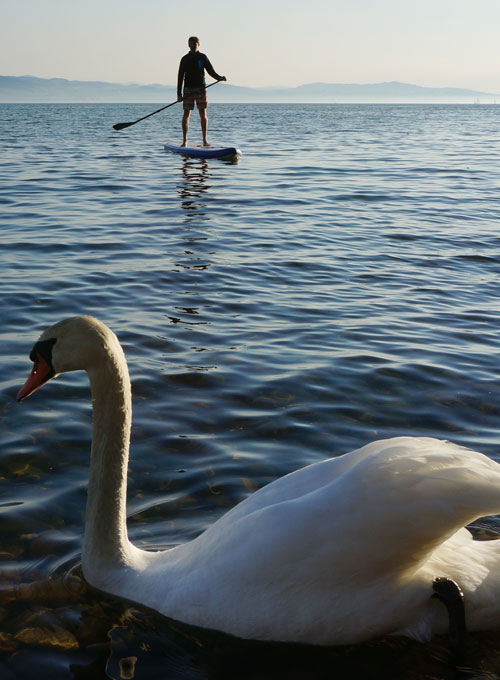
[
  {"x": 383, "y": 508},
  {"x": 333, "y": 553}
]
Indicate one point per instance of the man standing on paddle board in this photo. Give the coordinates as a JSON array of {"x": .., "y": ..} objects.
[{"x": 192, "y": 76}]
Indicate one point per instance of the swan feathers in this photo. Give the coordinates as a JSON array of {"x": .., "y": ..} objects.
[{"x": 341, "y": 551}]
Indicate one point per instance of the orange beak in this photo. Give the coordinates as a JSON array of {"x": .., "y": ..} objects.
[{"x": 42, "y": 371}]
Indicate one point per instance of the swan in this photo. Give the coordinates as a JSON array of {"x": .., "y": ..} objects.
[{"x": 339, "y": 552}]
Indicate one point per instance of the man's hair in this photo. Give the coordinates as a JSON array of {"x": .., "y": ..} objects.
[{"x": 193, "y": 37}]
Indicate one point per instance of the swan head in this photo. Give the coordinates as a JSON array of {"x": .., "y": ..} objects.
[{"x": 70, "y": 345}]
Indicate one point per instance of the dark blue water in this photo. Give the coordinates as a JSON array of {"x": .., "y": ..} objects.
[{"x": 339, "y": 284}]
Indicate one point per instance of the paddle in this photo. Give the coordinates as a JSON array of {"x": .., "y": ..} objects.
[{"x": 120, "y": 126}]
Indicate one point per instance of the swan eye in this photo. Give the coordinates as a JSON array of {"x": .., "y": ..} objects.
[{"x": 41, "y": 356}]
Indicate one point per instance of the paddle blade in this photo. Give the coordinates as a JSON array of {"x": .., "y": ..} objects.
[{"x": 120, "y": 126}]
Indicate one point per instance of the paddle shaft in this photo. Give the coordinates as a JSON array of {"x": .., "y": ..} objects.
[{"x": 121, "y": 126}]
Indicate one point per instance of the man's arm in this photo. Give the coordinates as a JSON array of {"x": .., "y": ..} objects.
[
  {"x": 180, "y": 78},
  {"x": 210, "y": 70}
]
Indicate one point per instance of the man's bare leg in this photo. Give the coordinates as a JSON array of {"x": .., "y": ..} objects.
[
  {"x": 185, "y": 126},
  {"x": 204, "y": 125}
]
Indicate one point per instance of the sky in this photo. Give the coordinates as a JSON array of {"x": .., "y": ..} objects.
[{"x": 257, "y": 43}]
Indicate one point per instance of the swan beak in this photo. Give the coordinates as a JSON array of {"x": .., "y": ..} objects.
[{"x": 42, "y": 371}]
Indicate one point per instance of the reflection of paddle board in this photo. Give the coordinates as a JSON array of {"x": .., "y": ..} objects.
[{"x": 205, "y": 151}]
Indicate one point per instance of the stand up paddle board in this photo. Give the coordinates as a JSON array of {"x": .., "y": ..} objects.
[{"x": 227, "y": 152}]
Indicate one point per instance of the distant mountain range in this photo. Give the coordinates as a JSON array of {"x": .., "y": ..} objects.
[{"x": 31, "y": 89}]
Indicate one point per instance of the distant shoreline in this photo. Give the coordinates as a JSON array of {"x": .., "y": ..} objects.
[{"x": 30, "y": 89}]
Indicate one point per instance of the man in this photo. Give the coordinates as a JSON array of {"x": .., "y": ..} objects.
[{"x": 192, "y": 76}]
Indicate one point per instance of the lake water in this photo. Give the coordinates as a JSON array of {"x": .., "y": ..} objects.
[{"x": 339, "y": 284}]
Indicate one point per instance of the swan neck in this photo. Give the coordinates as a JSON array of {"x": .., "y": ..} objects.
[{"x": 106, "y": 542}]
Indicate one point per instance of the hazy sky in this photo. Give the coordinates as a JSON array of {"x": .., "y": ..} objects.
[{"x": 257, "y": 42}]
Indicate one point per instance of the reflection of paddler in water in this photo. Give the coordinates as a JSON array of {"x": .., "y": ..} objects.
[
  {"x": 192, "y": 75},
  {"x": 194, "y": 185}
]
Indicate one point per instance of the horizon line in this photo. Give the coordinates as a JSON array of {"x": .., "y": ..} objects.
[{"x": 264, "y": 87}]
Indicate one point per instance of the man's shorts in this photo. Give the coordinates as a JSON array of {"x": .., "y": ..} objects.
[{"x": 192, "y": 95}]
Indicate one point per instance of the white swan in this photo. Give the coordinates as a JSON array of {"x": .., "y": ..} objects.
[{"x": 338, "y": 552}]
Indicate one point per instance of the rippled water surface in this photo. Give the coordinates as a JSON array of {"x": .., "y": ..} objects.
[{"x": 339, "y": 284}]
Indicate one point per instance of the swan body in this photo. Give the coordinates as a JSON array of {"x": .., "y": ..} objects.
[{"x": 338, "y": 552}]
